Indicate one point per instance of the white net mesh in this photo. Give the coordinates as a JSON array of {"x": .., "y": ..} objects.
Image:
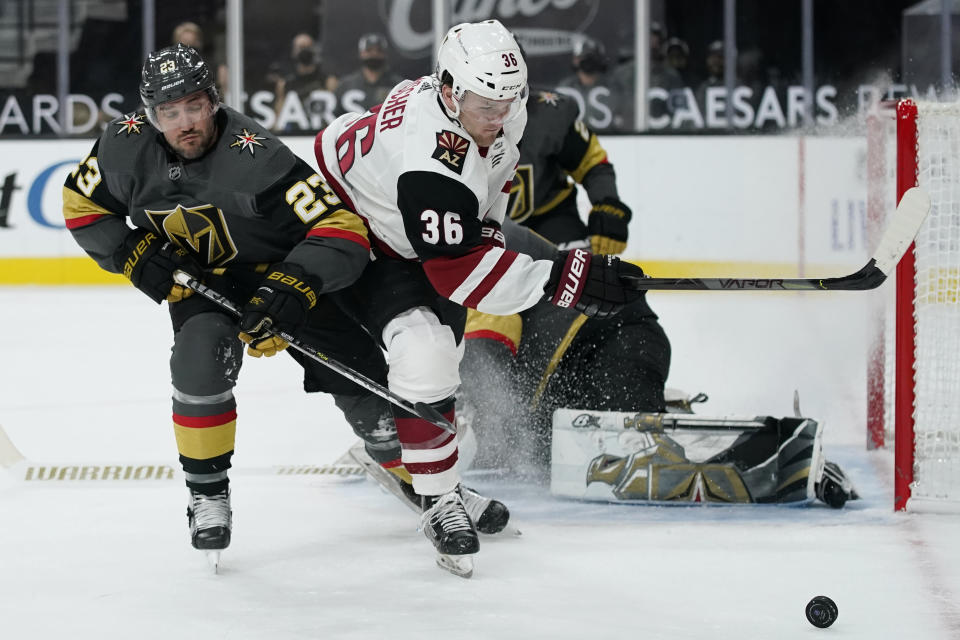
[
  {"x": 881, "y": 203},
  {"x": 937, "y": 311}
]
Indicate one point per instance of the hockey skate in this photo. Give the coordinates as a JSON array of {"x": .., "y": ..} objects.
[
  {"x": 446, "y": 524},
  {"x": 490, "y": 516},
  {"x": 210, "y": 519},
  {"x": 834, "y": 487}
]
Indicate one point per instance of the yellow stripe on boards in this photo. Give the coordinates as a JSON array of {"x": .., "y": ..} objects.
[
  {"x": 83, "y": 270},
  {"x": 56, "y": 271}
]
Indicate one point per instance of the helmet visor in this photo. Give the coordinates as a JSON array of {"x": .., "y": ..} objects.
[
  {"x": 182, "y": 113},
  {"x": 489, "y": 111}
]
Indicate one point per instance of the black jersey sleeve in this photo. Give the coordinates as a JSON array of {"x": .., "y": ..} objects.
[
  {"x": 582, "y": 156},
  {"x": 94, "y": 216},
  {"x": 440, "y": 215},
  {"x": 331, "y": 240},
  {"x": 440, "y": 218}
]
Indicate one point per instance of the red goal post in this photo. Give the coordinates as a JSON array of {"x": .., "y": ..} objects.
[{"x": 914, "y": 396}]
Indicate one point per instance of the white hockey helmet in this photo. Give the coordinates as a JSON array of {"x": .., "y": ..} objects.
[{"x": 483, "y": 58}]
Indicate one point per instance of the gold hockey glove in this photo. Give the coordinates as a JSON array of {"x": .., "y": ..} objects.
[
  {"x": 149, "y": 262},
  {"x": 281, "y": 302},
  {"x": 607, "y": 226}
]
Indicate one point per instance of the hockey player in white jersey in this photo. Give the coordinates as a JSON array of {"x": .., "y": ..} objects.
[{"x": 430, "y": 171}]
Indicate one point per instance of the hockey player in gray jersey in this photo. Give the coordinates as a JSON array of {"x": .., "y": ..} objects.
[
  {"x": 558, "y": 152},
  {"x": 209, "y": 192},
  {"x": 430, "y": 170}
]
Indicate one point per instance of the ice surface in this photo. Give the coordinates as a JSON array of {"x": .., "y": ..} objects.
[{"x": 84, "y": 378}]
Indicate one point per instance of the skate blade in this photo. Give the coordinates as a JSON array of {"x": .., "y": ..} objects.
[
  {"x": 213, "y": 561},
  {"x": 457, "y": 565}
]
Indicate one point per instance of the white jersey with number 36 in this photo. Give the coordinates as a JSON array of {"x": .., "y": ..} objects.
[{"x": 427, "y": 190}]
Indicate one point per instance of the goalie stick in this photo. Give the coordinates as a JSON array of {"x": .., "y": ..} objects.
[
  {"x": 910, "y": 214},
  {"x": 420, "y": 409}
]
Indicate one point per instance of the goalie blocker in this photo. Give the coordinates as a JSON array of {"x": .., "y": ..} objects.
[{"x": 674, "y": 458}]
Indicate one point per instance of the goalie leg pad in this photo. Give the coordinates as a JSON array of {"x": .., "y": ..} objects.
[{"x": 662, "y": 457}]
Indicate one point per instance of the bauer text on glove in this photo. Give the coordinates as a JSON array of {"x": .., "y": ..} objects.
[
  {"x": 281, "y": 302},
  {"x": 149, "y": 263},
  {"x": 591, "y": 284},
  {"x": 607, "y": 226}
]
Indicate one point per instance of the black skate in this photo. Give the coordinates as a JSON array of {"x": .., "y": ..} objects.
[
  {"x": 210, "y": 519},
  {"x": 447, "y": 525},
  {"x": 834, "y": 487},
  {"x": 489, "y": 515}
]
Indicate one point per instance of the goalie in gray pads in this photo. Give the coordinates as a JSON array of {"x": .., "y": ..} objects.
[{"x": 545, "y": 359}]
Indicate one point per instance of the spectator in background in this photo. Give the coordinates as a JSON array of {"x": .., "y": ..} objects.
[
  {"x": 370, "y": 84},
  {"x": 677, "y": 57},
  {"x": 308, "y": 75},
  {"x": 715, "y": 73},
  {"x": 592, "y": 87},
  {"x": 677, "y": 53},
  {"x": 191, "y": 35},
  {"x": 714, "y": 64},
  {"x": 661, "y": 76}
]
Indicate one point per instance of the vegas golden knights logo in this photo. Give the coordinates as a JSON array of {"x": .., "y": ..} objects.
[
  {"x": 520, "y": 204},
  {"x": 451, "y": 150},
  {"x": 662, "y": 472},
  {"x": 200, "y": 230}
]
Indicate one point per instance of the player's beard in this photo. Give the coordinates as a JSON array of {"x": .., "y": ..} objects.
[{"x": 193, "y": 143}]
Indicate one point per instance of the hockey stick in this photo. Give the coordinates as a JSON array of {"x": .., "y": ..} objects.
[
  {"x": 910, "y": 214},
  {"x": 9, "y": 454},
  {"x": 656, "y": 421},
  {"x": 420, "y": 409}
]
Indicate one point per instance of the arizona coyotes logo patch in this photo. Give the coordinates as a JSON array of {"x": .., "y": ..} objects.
[
  {"x": 131, "y": 123},
  {"x": 451, "y": 150},
  {"x": 200, "y": 230},
  {"x": 246, "y": 140}
]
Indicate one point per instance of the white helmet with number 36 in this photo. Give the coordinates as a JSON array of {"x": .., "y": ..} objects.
[{"x": 483, "y": 58}]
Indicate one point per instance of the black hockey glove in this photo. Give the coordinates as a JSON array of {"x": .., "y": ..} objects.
[
  {"x": 607, "y": 226},
  {"x": 281, "y": 302},
  {"x": 591, "y": 284},
  {"x": 149, "y": 262}
]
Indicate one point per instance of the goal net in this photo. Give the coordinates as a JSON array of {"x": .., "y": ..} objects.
[{"x": 914, "y": 379}]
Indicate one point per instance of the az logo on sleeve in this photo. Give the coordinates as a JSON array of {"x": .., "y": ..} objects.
[{"x": 451, "y": 150}]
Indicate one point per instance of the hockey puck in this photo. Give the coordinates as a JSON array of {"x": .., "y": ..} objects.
[{"x": 821, "y": 612}]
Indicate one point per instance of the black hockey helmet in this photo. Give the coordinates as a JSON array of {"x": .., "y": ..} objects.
[{"x": 172, "y": 73}]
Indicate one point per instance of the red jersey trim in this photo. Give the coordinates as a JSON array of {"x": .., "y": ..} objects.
[
  {"x": 339, "y": 233},
  {"x": 203, "y": 422},
  {"x": 492, "y": 278},
  {"x": 82, "y": 221}
]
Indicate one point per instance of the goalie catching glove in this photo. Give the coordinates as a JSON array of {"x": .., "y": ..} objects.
[
  {"x": 591, "y": 284},
  {"x": 607, "y": 226},
  {"x": 149, "y": 263},
  {"x": 281, "y": 302}
]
